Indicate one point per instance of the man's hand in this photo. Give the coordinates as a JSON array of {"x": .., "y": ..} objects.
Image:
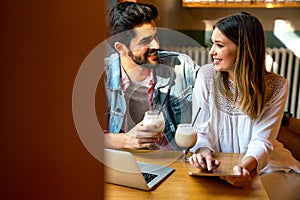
[
  {"x": 143, "y": 136},
  {"x": 140, "y": 136}
]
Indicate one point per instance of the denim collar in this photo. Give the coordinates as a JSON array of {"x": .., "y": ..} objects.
[{"x": 114, "y": 72}]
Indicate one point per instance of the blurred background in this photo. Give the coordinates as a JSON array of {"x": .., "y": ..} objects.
[
  {"x": 195, "y": 18},
  {"x": 197, "y": 22}
]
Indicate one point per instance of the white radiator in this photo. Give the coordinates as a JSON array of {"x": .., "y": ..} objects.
[
  {"x": 279, "y": 60},
  {"x": 284, "y": 62}
]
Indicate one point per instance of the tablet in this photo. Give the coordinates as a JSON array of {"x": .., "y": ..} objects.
[
  {"x": 227, "y": 160},
  {"x": 215, "y": 172}
]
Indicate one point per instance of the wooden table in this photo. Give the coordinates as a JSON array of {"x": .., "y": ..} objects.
[{"x": 180, "y": 185}]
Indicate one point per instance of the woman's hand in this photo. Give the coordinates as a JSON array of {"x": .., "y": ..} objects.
[
  {"x": 204, "y": 160},
  {"x": 242, "y": 180}
]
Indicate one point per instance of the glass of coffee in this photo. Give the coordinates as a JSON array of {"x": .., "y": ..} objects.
[
  {"x": 154, "y": 117},
  {"x": 185, "y": 137}
]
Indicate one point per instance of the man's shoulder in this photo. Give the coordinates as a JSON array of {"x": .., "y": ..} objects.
[
  {"x": 165, "y": 54},
  {"x": 171, "y": 55},
  {"x": 172, "y": 58}
]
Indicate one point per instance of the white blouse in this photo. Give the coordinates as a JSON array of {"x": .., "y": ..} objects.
[{"x": 224, "y": 128}]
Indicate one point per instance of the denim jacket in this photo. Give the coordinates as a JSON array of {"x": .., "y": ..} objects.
[{"x": 175, "y": 70}]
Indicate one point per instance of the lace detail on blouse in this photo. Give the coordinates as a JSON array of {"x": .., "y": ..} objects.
[{"x": 274, "y": 85}]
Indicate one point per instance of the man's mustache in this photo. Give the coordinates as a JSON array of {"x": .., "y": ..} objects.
[
  {"x": 149, "y": 53},
  {"x": 153, "y": 51}
]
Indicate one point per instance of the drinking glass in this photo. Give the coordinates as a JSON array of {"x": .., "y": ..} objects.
[
  {"x": 154, "y": 117},
  {"x": 185, "y": 137}
]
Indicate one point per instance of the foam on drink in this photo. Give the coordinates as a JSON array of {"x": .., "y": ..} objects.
[{"x": 185, "y": 135}]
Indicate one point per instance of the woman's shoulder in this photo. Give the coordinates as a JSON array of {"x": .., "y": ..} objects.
[
  {"x": 275, "y": 85},
  {"x": 208, "y": 70},
  {"x": 275, "y": 81}
]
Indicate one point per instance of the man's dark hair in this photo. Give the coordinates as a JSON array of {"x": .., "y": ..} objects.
[{"x": 125, "y": 16}]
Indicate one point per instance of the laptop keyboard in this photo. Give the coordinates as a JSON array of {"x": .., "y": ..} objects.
[{"x": 149, "y": 177}]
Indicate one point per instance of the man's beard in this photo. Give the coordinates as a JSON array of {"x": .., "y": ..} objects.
[{"x": 142, "y": 60}]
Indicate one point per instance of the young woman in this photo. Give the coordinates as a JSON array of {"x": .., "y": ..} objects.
[{"x": 241, "y": 109}]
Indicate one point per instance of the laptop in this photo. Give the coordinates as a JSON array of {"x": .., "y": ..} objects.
[{"x": 121, "y": 168}]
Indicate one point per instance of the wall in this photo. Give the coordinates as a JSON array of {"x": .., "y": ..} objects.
[
  {"x": 43, "y": 44},
  {"x": 196, "y": 22}
]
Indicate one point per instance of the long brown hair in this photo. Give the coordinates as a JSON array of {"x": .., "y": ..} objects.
[{"x": 247, "y": 33}]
